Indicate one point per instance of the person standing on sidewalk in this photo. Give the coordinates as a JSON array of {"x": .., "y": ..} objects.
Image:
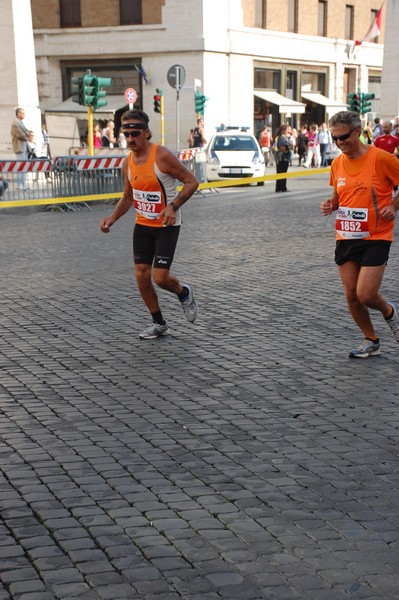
[
  {"x": 363, "y": 178},
  {"x": 151, "y": 173},
  {"x": 282, "y": 155},
  {"x": 324, "y": 139},
  {"x": 20, "y": 135}
]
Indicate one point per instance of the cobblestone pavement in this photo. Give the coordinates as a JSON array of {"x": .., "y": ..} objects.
[{"x": 243, "y": 457}]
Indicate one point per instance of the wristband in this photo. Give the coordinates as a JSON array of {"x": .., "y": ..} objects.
[{"x": 173, "y": 205}]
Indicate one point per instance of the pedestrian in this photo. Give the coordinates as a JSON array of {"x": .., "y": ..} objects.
[
  {"x": 325, "y": 142},
  {"x": 97, "y": 135},
  {"x": 282, "y": 153},
  {"x": 377, "y": 128},
  {"x": 108, "y": 135},
  {"x": 20, "y": 135},
  {"x": 302, "y": 144},
  {"x": 313, "y": 157},
  {"x": 151, "y": 173},
  {"x": 265, "y": 141},
  {"x": 363, "y": 178},
  {"x": 198, "y": 137},
  {"x": 3, "y": 186},
  {"x": 386, "y": 141}
]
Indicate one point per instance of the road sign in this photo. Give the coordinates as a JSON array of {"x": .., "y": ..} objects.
[
  {"x": 176, "y": 76},
  {"x": 130, "y": 95}
]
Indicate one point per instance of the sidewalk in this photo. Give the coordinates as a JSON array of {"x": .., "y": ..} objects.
[{"x": 243, "y": 457}]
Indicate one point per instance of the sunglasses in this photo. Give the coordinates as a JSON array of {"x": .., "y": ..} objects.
[
  {"x": 343, "y": 137},
  {"x": 134, "y": 129},
  {"x": 132, "y": 132}
]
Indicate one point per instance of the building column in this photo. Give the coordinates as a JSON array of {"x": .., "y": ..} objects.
[{"x": 19, "y": 79}]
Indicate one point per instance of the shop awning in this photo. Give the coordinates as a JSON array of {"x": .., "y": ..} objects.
[
  {"x": 331, "y": 105},
  {"x": 114, "y": 103},
  {"x": 285, "y": 105}
]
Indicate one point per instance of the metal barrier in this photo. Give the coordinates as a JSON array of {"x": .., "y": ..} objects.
[
  {"x": 65, "y": 177},
  {"x": 194, "y": 160},
  {"x": 83, "y": 176},
  {"x": 26, "y": 177}
]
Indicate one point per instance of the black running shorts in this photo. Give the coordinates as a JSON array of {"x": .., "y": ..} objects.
[
  {"x": 367, "y": 253},
  {"x": 155, "y": 245}
]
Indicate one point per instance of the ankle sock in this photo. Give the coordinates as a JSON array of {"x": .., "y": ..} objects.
[
  {"x": 184, "y": 294},
  {"x": 158, "y": 318}
]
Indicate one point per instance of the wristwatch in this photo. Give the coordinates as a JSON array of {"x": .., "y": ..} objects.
[{"x": 173, "y": 205}]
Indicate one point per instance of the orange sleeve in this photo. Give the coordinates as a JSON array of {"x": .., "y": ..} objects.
[{"x": 387, "y": 167}]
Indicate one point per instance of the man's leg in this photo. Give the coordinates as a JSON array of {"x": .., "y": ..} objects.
[
  {"x": 146, "y": 287},
  {"x": 361, "y": 285},
  {"x": 166, "y": 281}
]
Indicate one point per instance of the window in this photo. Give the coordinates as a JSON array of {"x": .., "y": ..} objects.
[
  {"x": 268, "y": 79},
  {"x": 291, "y": 85},
  {"x": 130, "y": 12},
  {"x": 322, "y": 18},
  {"x": 313, "y": 82},
  {"x": 375, "y": 88},
  {"x": 349, "y": 17},
  {"x": 70, "y": 13},
  {"x": 260, "y": 13},
  {"x": 293, "y": 16}
]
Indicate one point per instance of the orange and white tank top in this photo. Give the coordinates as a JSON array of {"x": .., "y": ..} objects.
[
  {"x": 152, "y": 190},
  {"x": 362, "y": 195}
]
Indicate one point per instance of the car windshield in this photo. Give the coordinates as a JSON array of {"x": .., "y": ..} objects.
[{"x": 234, "y": 142}]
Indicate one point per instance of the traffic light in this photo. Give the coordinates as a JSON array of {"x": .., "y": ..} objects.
[
  {"x": 353, "y": 102},
  {"x": 200, "y": 102},
  {"x": 365, "y": 102},
  {"x": 77, "y": 90},
  {"x": 87, "y": 90},
  {"x": 98, "y": 84},
  {"x": 157, "y": 103}
]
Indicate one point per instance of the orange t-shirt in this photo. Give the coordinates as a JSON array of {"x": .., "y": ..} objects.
[
  {"x": 364, "y": 186},
  {"x": 152, "y": 190}
]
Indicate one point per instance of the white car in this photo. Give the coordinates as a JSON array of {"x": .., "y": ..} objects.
[
  {"x": 234, "y": 154},
  {"x": 332, "y": 152}
]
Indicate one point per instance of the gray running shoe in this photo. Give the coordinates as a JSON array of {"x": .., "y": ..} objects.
[
  {"x": 189, "y": 306},
  {"x": 394, "y": 320},
  {"x": 153, "y": 331},
  {"x": 367, "y": 348}
]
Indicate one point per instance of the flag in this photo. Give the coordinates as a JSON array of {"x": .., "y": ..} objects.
[{"x": 375, "y": 29}]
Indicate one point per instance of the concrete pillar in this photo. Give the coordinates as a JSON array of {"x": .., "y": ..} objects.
[
  {"x": 19, "y": 80},
  {"x": 389, "y": 105}
]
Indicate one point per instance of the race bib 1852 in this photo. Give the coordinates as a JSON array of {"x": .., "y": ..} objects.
[{"x": 352, "y": 223}]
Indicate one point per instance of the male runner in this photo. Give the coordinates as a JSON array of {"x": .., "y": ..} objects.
[
  {"x": 150, "y": 176},
  {"x": 363, "y": 178}
]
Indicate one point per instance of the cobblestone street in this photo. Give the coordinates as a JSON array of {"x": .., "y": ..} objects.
[{"x": 242, "y": 457}]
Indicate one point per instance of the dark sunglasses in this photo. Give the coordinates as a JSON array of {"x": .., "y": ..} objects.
[
  {"x": 343, "y": 137},
  {"x": 132, "y": 132},
  {"x": 133, "y": 129}
]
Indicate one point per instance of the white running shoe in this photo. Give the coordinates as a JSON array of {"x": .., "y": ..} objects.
[
  {"x": 394, "y": 320},
  {"x": 154, "y": 331},
  {"x": 189, "y": 305},
  {"x": 367, "y": 348}
]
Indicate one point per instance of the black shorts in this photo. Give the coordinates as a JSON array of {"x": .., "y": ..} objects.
[
  {"x": 367, "y": 253},
  {"x": 155, "y": 245}
]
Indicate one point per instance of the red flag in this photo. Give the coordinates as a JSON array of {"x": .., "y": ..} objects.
[{"x": 375, "y": 28}]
